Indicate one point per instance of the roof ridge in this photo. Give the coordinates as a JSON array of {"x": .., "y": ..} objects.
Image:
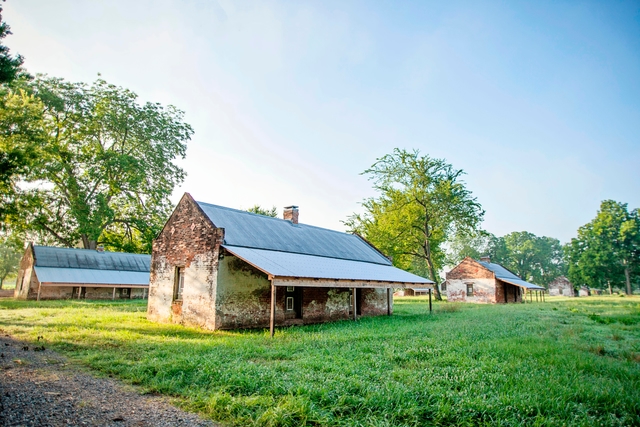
[{"x": 273, "y": 218}]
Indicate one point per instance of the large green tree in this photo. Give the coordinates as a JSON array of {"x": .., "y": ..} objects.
[
  {"x": 533, "y": 258},
  {"x": 422, "y": 202},
  {"x": 16, "y": 111},
  {"x": 606, "y": 251},
  {"x": 107, "y": 168},
  {"x": 10, "y": 254}
]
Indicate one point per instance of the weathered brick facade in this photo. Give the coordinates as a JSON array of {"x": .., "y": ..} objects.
[
  {"x": 561, "y": 286},
  {"x": 222, "y": 291},
  {"x": 470, "y": 281}
]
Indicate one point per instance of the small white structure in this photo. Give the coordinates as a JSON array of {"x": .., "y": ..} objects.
[{"x": 561, "y": 286}]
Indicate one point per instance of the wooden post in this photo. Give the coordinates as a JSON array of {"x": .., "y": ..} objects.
[
  {"x": 39, "y": 286},
  {"x": 530, "y": 297},
  {"x": 113, "y": 298},
  {"x": 355, "y": 314},
  {"x": 130, "y": 293},
  {"x": 430, "y": 307},
  {"x": 388, "y": 301},
  {"x": 79, "y": 291},
  {"x": 272, "y": 320}
]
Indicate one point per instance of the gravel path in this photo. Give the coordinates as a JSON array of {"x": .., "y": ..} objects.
[{"x": 41, "y": 388}]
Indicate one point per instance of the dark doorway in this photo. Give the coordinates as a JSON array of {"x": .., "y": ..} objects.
[
  {"x": 293, "y": 302},
  {"x": 358, "y": 293}
]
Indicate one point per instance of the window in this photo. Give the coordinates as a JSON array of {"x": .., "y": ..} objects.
[
  {"x": 289, "y": 303},
  {"x": 291, "y": 288},
  {"x": 179, "y": 284},
  {"x": 124, "y": 292},
  {"x": 443, "y": 286},
  {"x": 469, "y": 289}
]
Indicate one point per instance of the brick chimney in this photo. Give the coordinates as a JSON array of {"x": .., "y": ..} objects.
[
  {"x": 485, "y": 258},
  {"x": 291, "y": 214}
]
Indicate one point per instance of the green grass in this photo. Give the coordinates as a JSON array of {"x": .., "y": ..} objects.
[{"x": 573, "y": 362}]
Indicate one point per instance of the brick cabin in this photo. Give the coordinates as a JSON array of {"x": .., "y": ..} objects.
[
  {"x": 561, "y": 286},
  {"x": 221, "y": 268},
  {"x": 484, "y": 282},
  {"x": 47, "y": 272}
]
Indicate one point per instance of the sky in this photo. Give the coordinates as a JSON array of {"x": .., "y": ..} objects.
[{"x": 538, "y": 102}]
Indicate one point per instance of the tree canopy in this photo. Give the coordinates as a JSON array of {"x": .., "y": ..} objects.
[
  {"x": 422, "y": 203},
  {"x": 10, "y": 254},
  {"x": 106, "y": 168},
  {"x": 257, "y": 209},
  {"x": 606, "y": 251}
]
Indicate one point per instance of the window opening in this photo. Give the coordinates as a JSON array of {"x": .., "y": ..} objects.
[
  {"x": 289, "y": 303},
  {"x": 179, "y": 284},
  {"x": 469, "y": 289}
]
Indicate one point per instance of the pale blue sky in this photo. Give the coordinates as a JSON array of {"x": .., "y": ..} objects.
[{"x": 539, "y": 102}]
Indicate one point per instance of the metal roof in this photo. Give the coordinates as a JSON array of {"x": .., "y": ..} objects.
[
  {"x": 84, "y": 276},
  {"x": 507, "y": 276},
  {"x": 245, "y": 229},
  {"x": 48, "y": 256},
  {"x": 283, "y": 264}
]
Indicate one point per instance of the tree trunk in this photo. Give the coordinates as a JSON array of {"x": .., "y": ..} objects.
[
  {"x": 628, "y": 280},
  {"x": 1, "y": 282},
  {"x": 88, "y": 244}
]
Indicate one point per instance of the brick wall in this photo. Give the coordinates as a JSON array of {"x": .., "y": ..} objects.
[
  {"x": 187, "y": 240},
  {"x": 471, "y": 272}
]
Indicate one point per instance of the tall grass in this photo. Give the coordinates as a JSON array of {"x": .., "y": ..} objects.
[{"x": 571, "y": 362}]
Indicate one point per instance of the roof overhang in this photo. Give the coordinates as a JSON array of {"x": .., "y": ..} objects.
[
  {"x": 290, "y": 269},
  {"x": 53, "y": 276},
  {"x": 521, "y": 283}
]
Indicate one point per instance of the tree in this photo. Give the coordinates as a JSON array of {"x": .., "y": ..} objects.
[
  {"x": 257, "y": 209},
  {"x": 9, "y": 65},
  {"x": 607, "y": 249},
  {"x": 10, "y": 254},
  {"x": 473, "y": 245},
  {"x": 536, "y": 259},
  {"x": 422, "y": 203},
  {"x": 107, "y": 172},
  {"x": 16, "y": 110}
]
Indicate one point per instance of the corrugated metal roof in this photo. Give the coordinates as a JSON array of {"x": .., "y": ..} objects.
[
  {"x": 283, "y": 264},
  {"x": 89, "y": 276},
  {"x": 507, "y": 276},
  {"x": 244, "y": 229},
  {"x": 48, "y": 256}
]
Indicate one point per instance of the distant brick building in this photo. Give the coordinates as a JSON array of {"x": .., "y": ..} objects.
[
  {"x": 221, "y": 268},
  {"x": 561, "y": 286},
  {"x": 484, "y": 282},
  {"x": 57, "y": 273}
]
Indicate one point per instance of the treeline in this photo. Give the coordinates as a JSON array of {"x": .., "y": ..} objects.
[{"x": 426, "y": 219}]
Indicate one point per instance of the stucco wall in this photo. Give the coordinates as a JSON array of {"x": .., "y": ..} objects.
[
  {"x": 187, "y": 240},
  {"x": 244, "y": 296},
  {"x": 484, "y": 290}
]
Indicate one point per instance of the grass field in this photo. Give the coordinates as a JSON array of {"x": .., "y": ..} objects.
[{"x": 573, "y": 362}]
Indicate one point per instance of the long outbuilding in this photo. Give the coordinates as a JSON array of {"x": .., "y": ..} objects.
[
  {"x": 222, "y": 268},
  {"x": 48, "y": 272}
]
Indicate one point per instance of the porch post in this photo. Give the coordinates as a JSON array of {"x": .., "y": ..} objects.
[
  {"x": 272, "y": 320},
  {"x": 430, "y": 307},
  {"x": 388, "y": 301},
  {"x": 113, "y": 297},
  {"x": 79, "y": 291},
  {"x": 355, "y": 314},
  {"x": 39, "y": 286}
]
